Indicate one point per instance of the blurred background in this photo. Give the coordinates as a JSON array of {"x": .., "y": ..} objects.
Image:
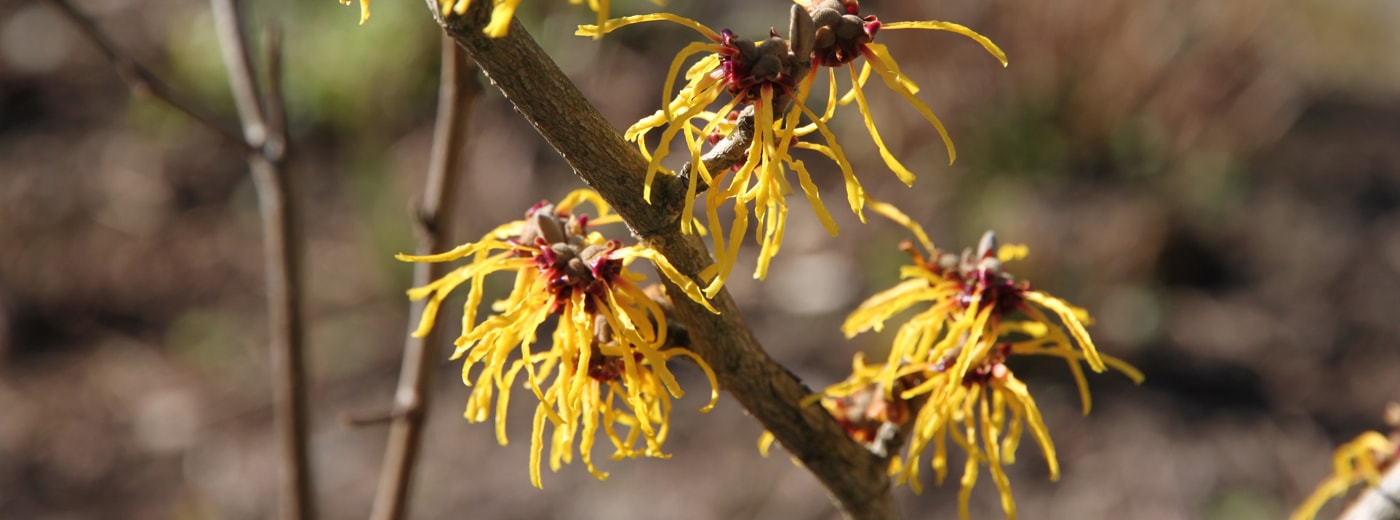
[{"x": 1217, "y": 182}]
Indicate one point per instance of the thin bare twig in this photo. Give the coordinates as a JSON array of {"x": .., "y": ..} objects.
[
  {"x": 281, "y": 253},
  {"x": 241, "y": 79},
  {"x": 856, "y": 479},
  {"x": 275, "y": 116},
  {"x": 140, "y": 79},
  {"x": 457, "y": 89},
  {"x": 360, "y": 420}
]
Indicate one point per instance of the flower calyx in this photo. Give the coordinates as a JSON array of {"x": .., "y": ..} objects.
[
  {"x": 979, "y": 271},
  {"x": 993, "y": 367},
  {"x": 877, "y": 419},
  {"x": 747, "y": 65},
  {"x": 840, "y": 31},
  {"x": 602, "y": 367},
  {"x": 558, "y": 242}
]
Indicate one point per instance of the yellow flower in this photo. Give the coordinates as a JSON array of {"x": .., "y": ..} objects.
[
  {"x": 926, "y": 404},
  {"x": 501, "y": 13},
  {"x": 1361, "y": 461},
  {"x": 364, "y": 9},
  {"x": 973, "y": 306},
  {"x": 628, "y": 374},
  {"x": 768, "y": 79},
  {"x": 842, "y": 36},
  {"x": 947, "y": 368},
  {"x": 610, "y": 335}
]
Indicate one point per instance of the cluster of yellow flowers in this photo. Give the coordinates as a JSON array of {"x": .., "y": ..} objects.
[{"x": 946, "y": 375}]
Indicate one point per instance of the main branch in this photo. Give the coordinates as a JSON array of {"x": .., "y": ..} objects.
[{"x": 856, "y": 479}]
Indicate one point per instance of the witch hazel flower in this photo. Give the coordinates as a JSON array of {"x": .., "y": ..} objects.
[
  {"x": 948, "y": 374},
  {"x": 764, "y": 80},
  {"x": 768, "y": 81},
  {"x": 606, "y": 365}
]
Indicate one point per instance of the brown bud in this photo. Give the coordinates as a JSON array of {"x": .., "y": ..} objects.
[
  {"x": 801, "y": 30},
  {"x": 850, "y": 27},
  {"x": 548, "y": 225},
  {"x": 591, "y": 252},
  {"x": 987, "y": 245}
]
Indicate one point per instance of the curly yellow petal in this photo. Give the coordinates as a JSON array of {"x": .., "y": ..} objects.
[
  {"x": 1072, "y": 323},
  {"x": 617, "y": 23},
  {"x": 888, "y": 73},
  {"x": 704, "y": 367},
  {"x": 888, "y": 211},
  {"x": 987, "y": 43},
  {"x": 663, "y": 266},
  {"x": 905, "y": 176}
]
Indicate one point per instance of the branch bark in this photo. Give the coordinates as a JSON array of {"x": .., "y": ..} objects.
[
  {"x": 457, "y": 90},
  {"x": 855, "y": 479}
]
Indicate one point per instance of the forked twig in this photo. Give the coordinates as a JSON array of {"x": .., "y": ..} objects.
[
  {"x": 457, "y": 90},
  {"x": 264, "y": 131},
  {"x": 264, "y": 144}
]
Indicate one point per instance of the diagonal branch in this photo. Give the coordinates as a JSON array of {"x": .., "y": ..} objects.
[
  {"x": 457, "y": 90},
  {"x": 856, "y": 479}
]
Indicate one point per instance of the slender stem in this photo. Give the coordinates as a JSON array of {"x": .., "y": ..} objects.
[
  {"x": 856, "y": 479},
  {"x": 275, "y": 116},
  {"x": 141, "y": 80},
  {"x": 457, "y": 89},
  {"x": 264, "y": 143},
  {"x": 241, "y": 79},
  {"x": 281, "y": 254}
]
